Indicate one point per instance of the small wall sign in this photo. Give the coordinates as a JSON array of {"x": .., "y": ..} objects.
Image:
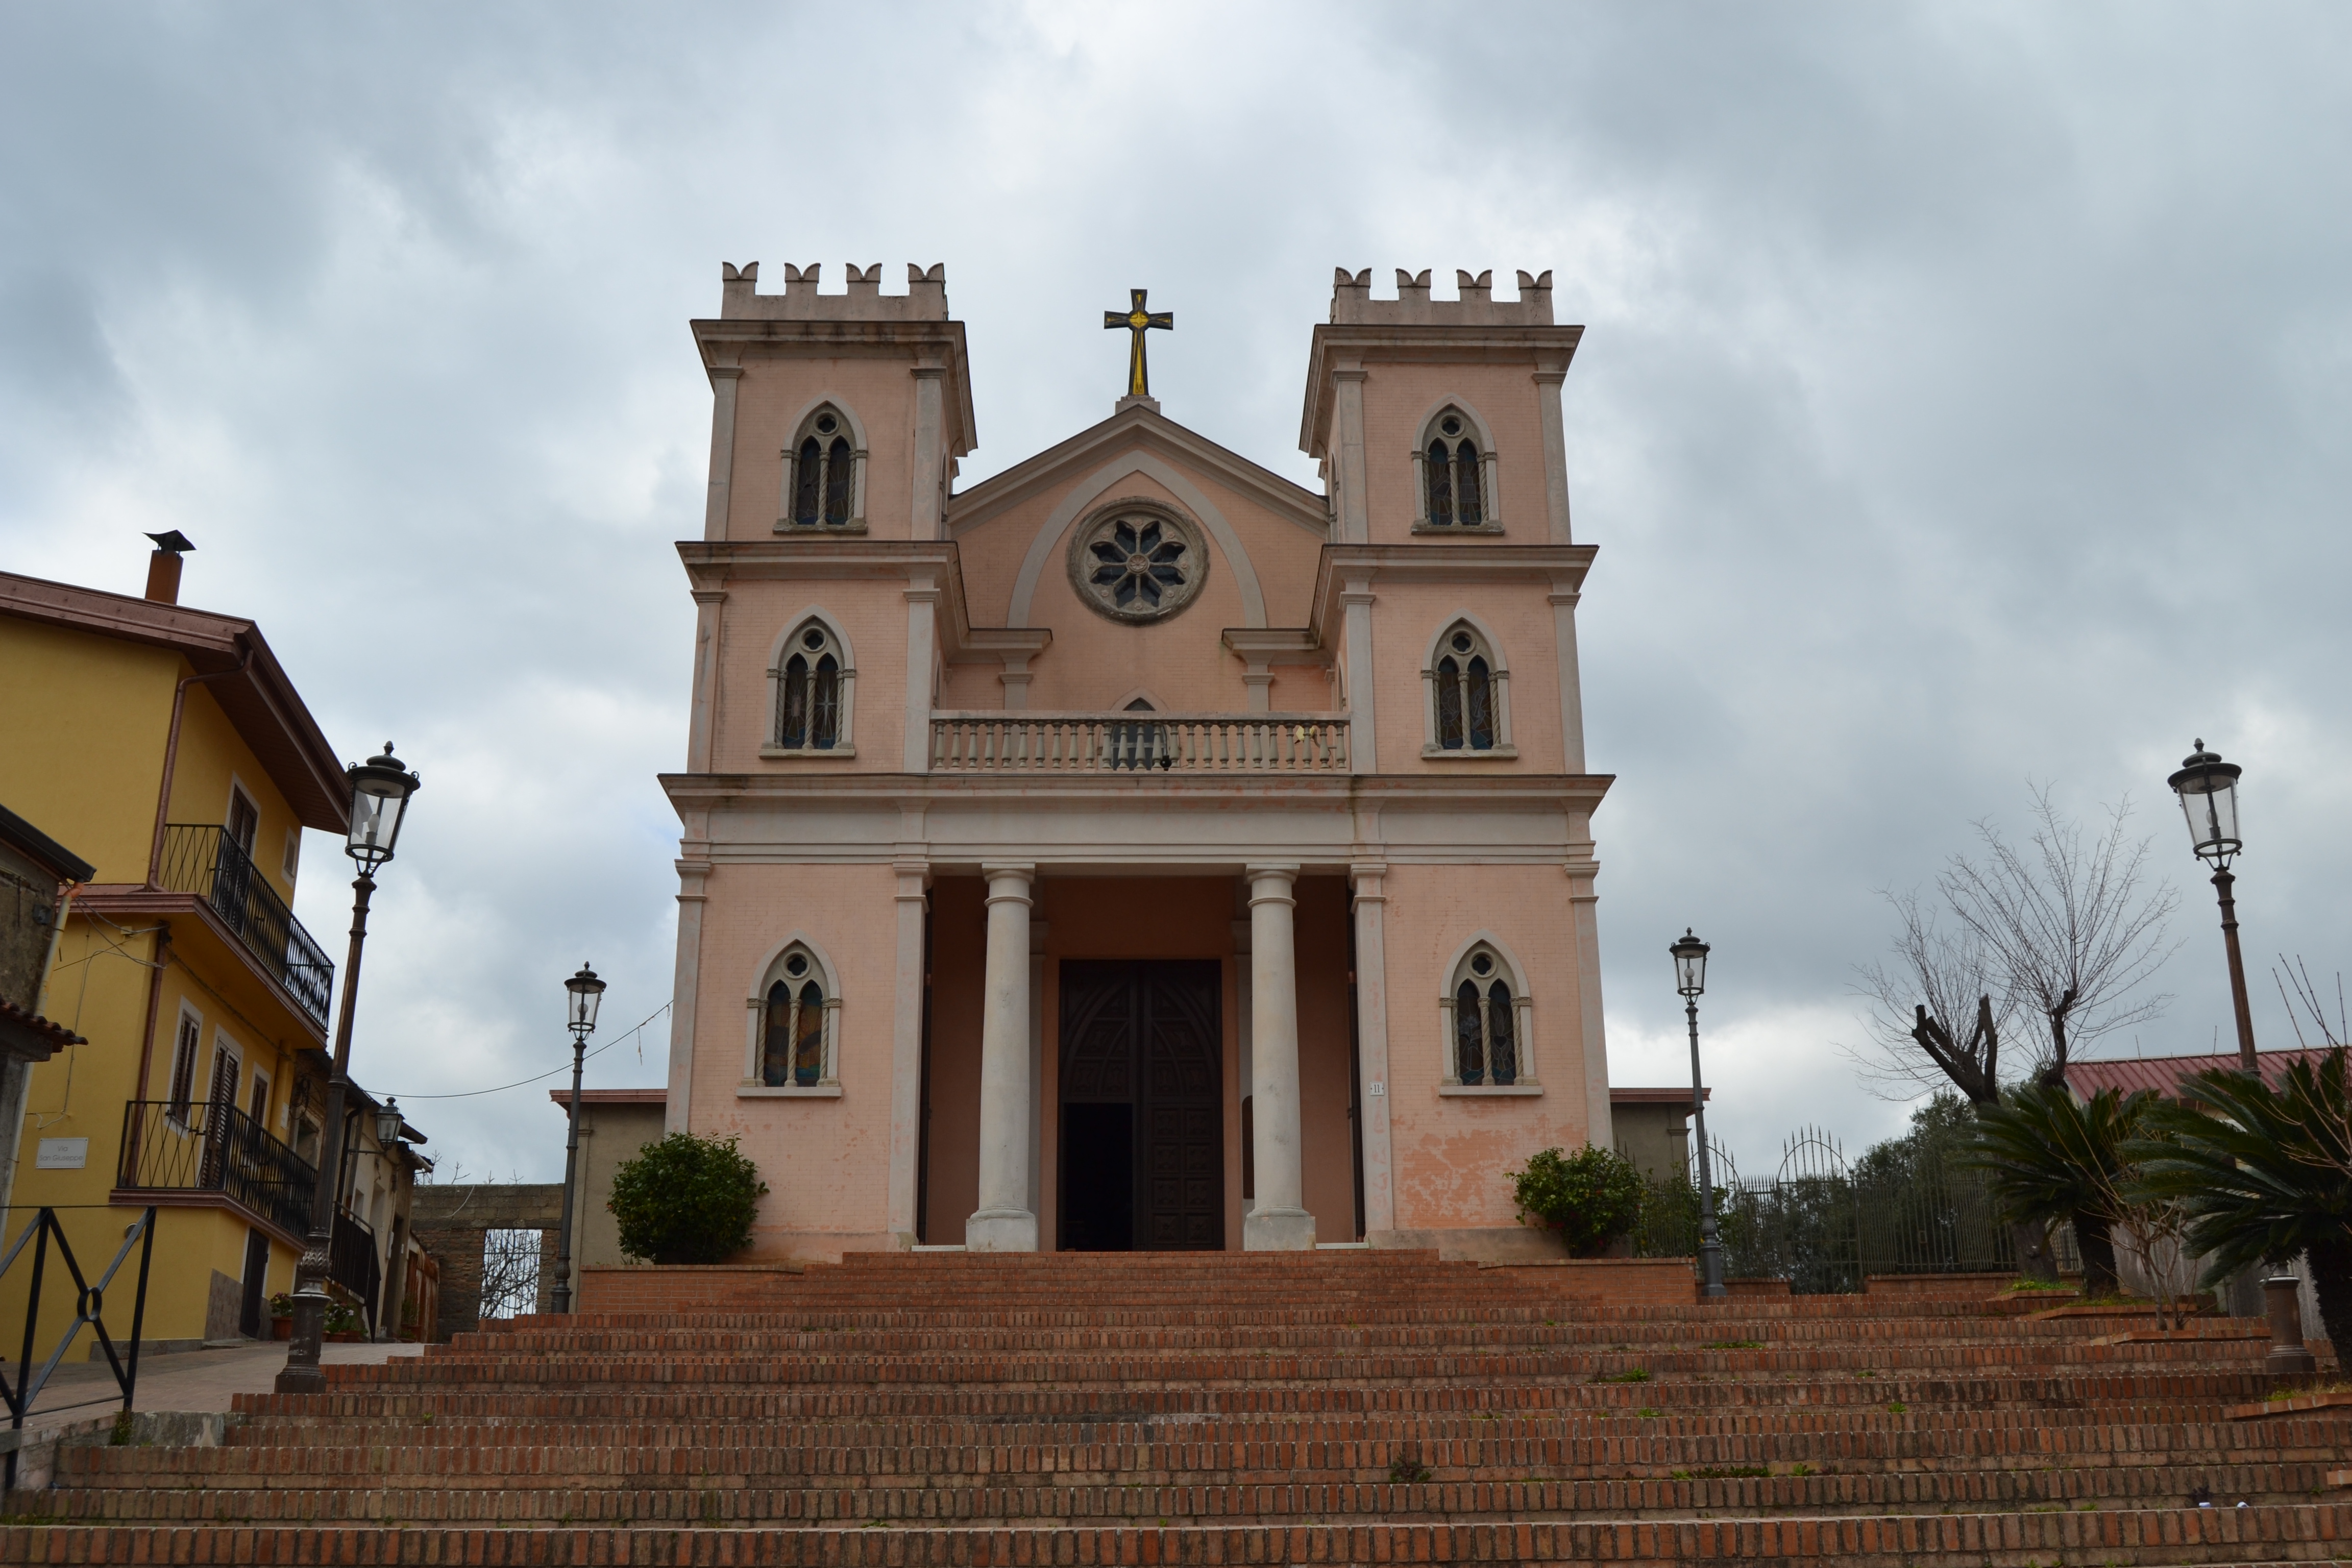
[{"x": 61, "y": 1154}]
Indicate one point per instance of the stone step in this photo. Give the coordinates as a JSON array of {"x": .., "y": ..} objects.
[
  {"x": 727, "y": 1499},
  {"x": 2273, "y": 1533}
]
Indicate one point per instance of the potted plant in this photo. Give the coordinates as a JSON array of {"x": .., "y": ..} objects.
[
  {"x": 281, "y": 1316},
  {"x": 342, "y": 1324},
  {"x": 1592, "y": 1197}
]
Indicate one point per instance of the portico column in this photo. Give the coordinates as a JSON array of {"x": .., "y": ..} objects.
[
  {"x": 1005, "y": 1221},
  {"x": 1280, "y": 1222}
]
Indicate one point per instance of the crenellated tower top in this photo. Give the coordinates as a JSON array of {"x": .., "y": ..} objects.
[
  {"x": 1353, "y": 303},
  {"x": 925, "y": 299}
]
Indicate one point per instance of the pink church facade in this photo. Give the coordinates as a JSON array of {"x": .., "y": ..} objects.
[{"x": 1136, "y": 850}]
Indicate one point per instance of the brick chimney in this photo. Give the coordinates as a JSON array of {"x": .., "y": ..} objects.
[{"x": 163, "y": 566}]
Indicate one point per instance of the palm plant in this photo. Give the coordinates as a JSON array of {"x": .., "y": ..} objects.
[
  {"x": 2262, "y": 1174},
  {"x": 2050, "y": 1157}
]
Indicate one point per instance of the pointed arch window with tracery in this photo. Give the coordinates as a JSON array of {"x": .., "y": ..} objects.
[
  {"x": 1468, "y": 696},
  {"x": 814, "y": 681},
  {"x": 1455, "y": 492},
  {"x": 1486, "y": 1027},
  {"x": 824, "y": 475},
  {"x": 796, "y": 1027}
]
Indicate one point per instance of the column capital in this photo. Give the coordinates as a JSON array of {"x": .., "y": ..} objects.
[{"x": 1262, "y": 870}]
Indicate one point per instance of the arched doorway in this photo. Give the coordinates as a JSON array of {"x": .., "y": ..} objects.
[{"x": 1142, "y": 1145}]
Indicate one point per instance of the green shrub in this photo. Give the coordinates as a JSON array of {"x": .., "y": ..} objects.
[
  {"x": 686, "y": 1200},
  {"x": 1592, "y": 1197}
]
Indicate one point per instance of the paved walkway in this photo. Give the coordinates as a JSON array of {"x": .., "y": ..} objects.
[{"x": 191, "y": 1380}]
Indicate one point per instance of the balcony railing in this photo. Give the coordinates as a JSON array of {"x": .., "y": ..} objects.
[
  {"x": 201, "y": 1148},
  {"x": 1018, "y": 743},
  {"x": 207, "y": 862}
]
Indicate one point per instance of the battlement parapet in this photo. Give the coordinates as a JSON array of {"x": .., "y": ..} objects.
[
  {"x": 925, "y": 299},
  {"x": 1352, "y": 302}
]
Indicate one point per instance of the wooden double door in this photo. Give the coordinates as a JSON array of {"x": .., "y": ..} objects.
[{"x": 1142, "y": 1121}]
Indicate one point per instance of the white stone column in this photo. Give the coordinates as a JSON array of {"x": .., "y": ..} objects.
[
  {"x": 1363, "y": 740},
  {"x": 1562, "y": 599},
  {"x": 723, "y": 380},
  {"x": 1372, "y": 1041},
  {"x": 907, "y": 1051},
  {"x": 1005, "y": 1221},
  {"x": 1555, "y": 451},
  {"x": 693, "y": 875},
  {"x": 923, "y": 595},
  {"x": 930, "y": 458},
  {"x": 1280, "y": 1222},
  {"x": 1350, "y": 487}
]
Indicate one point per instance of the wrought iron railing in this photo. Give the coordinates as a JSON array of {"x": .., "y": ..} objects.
[
  {"x": 203, "y": 1148},
  {"x": 1000, "y": 741},
  {"x": 207, "y": 862},
  {"x": 89, "y": 1308}
]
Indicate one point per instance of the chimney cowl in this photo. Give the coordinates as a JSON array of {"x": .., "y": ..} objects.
[{"x": 163, "y": 566}]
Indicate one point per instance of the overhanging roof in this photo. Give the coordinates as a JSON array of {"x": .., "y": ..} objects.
[{"x": 258, "y": 699}]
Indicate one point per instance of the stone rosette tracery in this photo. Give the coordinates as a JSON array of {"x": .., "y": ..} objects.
[{"x": 1136, "y": 561}]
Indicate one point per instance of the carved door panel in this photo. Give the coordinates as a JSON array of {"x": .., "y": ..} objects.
[{"x": 1142, "y": 1146}]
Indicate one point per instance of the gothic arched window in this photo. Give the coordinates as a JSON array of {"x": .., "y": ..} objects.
[
  {"x": 1485, "y": 1036},
  {"x": 795, "y": 1038},
  {"x": 1468, "y": 712},
  {"x": 1457, "y": 480},
  {"x": 812, "y": 679},
  {"x": 824, "y": 474}
]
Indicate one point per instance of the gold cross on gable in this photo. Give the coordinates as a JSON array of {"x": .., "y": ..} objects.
[{"x": 1137, "y": 320}]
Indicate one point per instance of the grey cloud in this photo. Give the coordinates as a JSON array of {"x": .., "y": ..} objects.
[{"x": 1961, "y": 401}]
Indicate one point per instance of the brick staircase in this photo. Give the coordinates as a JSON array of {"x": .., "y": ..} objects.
[{"x": 1334, "y": 1408}]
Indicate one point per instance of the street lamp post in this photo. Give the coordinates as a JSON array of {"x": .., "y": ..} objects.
[
  {"x": 1690, "y": 979},
  {"x": 587, "y": 994},
  {"x": 2208, "y": 788},
  {"x": 381, "y": 788}
]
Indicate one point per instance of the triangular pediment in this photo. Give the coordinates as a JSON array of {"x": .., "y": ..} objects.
[{"x": 1139, "y": 425}]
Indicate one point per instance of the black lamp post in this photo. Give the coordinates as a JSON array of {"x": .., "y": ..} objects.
[
  {"x": 2208, "y": 788},
  {"x": 1690, "y": 979},
  {"x": 381, "y": 788},
  {"x": 587, "y": 992}
]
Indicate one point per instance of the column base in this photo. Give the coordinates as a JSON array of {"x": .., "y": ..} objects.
[
  {"x": 1277, "y": 1230},
  {"x": 1001, "y": 1230}
]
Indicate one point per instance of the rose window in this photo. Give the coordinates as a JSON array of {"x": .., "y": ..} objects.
[{"x": 1137, "y": 565}]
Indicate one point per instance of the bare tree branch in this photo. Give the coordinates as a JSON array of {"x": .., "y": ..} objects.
[
  {"x": 1937, "y": 1006},
  {"x": 2069, "y": 925}
]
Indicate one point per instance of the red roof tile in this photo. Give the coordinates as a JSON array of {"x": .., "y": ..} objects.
[{"x": 2129, "y": 1075}]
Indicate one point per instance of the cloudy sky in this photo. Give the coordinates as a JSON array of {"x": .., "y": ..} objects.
[{"x": 1963, "y": 402}]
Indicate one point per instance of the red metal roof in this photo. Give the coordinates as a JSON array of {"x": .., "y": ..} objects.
[{"x": 2163, "y": 1074}]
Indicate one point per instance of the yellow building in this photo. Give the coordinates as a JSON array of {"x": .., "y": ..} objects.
[{"x": 167, "y": 745}]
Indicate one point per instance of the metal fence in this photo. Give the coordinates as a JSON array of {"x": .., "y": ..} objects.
[{"x": 1825, "y": 1227}]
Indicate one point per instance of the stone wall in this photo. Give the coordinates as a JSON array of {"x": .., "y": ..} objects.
[{"x": 450, "y": 1222}]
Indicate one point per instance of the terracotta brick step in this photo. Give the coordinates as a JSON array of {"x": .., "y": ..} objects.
[
  {"x": 1588, "y": 1440},
  {"x": 728, "y": 1501},
  {"x": 2266, "y": 1534},
  {"x": 2183, "y": 1394},
  {"x": 2126, "y": 1377},
  {"x": 785, "y": 1336},
  {"x": 1632, "y": 1449}
]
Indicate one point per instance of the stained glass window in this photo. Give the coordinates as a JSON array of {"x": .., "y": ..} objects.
[
  {"x": 793, "y": 705},
  {"x": 1468, "y": 507},
  {"x": 1470, "y": 1046},
  {"x": 1502, "y": 1050},
  {"x": 839, "y": 475},
  {"x": 1441, "y": 486},
  {"x": 808, "y": 483},
  {"x": 1481, "y": 690}
]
